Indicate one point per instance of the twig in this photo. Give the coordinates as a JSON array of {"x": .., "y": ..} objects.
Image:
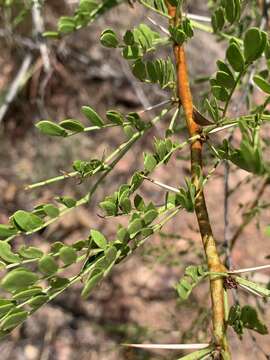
[
  {"x": 15, "y": 86},
  {"x": 39, "y": 29},
  {"x": 153, "y": 107},
  {"x": 158, "y": 25},
  {"x": 247, "y": 219},
  {"x": 20, "y": 40},
  {"x": 160, "y": 184},
  {"x": 199, "y": 18},
  {"x": 256, "y": 268},
  {"x": 169, "y": 346}
]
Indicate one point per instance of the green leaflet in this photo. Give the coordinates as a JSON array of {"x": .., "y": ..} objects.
[
  {"x": 13, "y": 320},
  {"x": 91, "y": 283},
  {"x": 50, "y": 128},
  {"x": 253, "y": 286},
  {"x": 145, "y": 37},
  {"x": 38, "y": 300},
  {"x": 47, "y": 265},
  {"x": 68, "y": 255},
  {"x": 150, "y": 216},
  {"x": 262, "y": 84},
  {"x": 18, "y": 279},
  {"x": 27, "y": 294},
  {"x": 135, "y": 226},
  {"x": 115, "y": 117},
  {"x": 67, "y": 201},
  {"x": 72, "y": 125},
  {"x": 197, "y": 355},
  {"x": 100, "y": 269},
  {"x": 192, "y": 276},
  {"x": 232, "y": 10},
  {"x": 6, "y": 231},
  {"x": 51, "y": 210},
  {"x": 7, "y": 254},
  {"x": 30, "y": 252},
  {"x": 91, "y": 115},
  {"x": 5, "y": 308},
  {"x": 235, "y": 57},
  {"x": 98, "y": 238},
  {"x": 26, "y": 221},
  {"x": 109, "y": 39},
  {"x": 218, "y": 19},
  {"x": 150, "y": 162},
  {"x": 225, "y": 80},
  {"x": 254, "y": 44},
  {"x": 245, "y": 317},
  {"x": 220, "y": 93}
]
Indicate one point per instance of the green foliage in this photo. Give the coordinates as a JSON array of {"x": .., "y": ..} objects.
[
  {"x": 32, "y": 277},
  {"x": 192, "y": 276},
  {"x": 245, "y": 317}
]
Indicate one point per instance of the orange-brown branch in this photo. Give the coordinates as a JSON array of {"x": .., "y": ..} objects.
[{"x": 213, "y": 260}]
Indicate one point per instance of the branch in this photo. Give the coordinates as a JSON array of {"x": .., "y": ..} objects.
[
  {"x": 213, "y": 260},
  {"x": 15, "y": 86},
  {"x": 247, "y": 219},
  {"x": 39, "y": 29}
]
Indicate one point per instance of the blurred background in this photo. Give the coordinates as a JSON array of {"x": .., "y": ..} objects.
[{"x": 137, "y": 302}]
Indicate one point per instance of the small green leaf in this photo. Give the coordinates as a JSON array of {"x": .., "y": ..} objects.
[
  {"x": 13, "y": 320},
  {"x": 134, "y": 227},
  {"x": 67, "y": 201},
  {"x": 139, "y": 202},
  {"x": 27, "y": 294},
  {"x": 115, "y": 117},
  {"x": 150, "y": 162},
  {"x": 220, "y": 93},
  {"x": 50, "y": 128},
  {"x": 30, "y": 252},
  {"x": 139, "y": 70},
  {"x": 51, "y": 34},
  {"x": 98, "y": 238},
  {"x": 51, "y": 210},
  {"x": 254, "y": 286},
  {"x": 91, "y": 115},
  {"x": 72, "y": 125},
  {"x": 18, "y": 279},
  {"x": 198, "y": 355},
  {"x": 150, "y": 216},
  {"x": 250, "y": 319},
  {"x": 109, "y": 207},
  {"x": 129, "y": 38},
  {"x": 38, "y": 300},
  {"x": 5, "y": 308},
  {"x": 254, "y": 44},
  {"x": 131, "y": 52},
  {"x": 230, "y": 10},
  {"x": 125, "y": 204},
  {"x": 26, "y": 221},
  {"x": 91, "y": 282},
  {"x": 68, "y": 255},
  {"x": 235, "y": 57},
  {"x": 225, "y": 80},
  {"x": 109, "y": 39},
  {"x": 178, "y": 35},
  {"x": 7, "y": 231},
  {"x": 7, "y": 254},
  {"x": 47, "y": 265},
  {"x": 262, "y": 84},
  {"x": 66, "y": 24}
]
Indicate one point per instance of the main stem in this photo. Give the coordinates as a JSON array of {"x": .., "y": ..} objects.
[{"x": 210, "y": 248}]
